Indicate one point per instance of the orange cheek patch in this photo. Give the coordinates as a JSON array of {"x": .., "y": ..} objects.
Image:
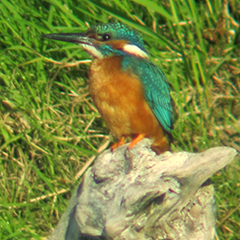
[{"x": 115, "y": 44}]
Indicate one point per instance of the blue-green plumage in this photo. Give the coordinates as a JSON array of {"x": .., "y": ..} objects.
[
  {"x": 156, "y": 88},
  {"x": 116, "y": 31}
]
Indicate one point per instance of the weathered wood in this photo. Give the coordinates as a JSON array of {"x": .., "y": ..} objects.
[{"x": 134, "y": 194}]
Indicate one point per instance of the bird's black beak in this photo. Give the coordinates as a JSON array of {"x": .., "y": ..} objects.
[{"x": 70, "y": 37}]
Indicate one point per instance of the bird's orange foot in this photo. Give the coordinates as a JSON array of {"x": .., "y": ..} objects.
[
  {"x": 137, "y": 139},
  {"x": 119, "y": 143}
]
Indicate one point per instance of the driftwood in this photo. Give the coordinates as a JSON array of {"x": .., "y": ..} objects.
[{"x": 134, "y": 194}]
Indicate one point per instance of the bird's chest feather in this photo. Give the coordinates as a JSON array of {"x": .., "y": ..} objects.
[
  {"x": 108, "y": 80},
  {"x": 117, "y": 94}
]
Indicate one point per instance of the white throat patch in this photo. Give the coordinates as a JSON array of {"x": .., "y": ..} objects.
[
  {"x": 134, "y": 50},
  {"x": 92, "y": 50}
]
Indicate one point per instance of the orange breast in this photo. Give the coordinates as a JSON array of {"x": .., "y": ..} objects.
[{"x": 120, "y": 100}]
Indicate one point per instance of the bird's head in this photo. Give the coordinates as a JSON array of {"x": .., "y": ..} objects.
[{"x": 106, "y": 40}]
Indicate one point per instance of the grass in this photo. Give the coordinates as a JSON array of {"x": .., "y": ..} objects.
[{"x": 49, "y": 127}]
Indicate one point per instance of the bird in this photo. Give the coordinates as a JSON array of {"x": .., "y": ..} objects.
[{"x": 131, "y": 93}]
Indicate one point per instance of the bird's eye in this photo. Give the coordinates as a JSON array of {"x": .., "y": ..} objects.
[{"x": 106, "y": 37}]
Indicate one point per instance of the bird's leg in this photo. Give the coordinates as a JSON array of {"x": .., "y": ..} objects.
[
  {"x": 120, "y": 142},
  {"x": 137, "y": 139}
]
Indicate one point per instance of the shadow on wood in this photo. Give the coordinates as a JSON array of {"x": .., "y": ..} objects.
[{"x": 134, "y": 194}]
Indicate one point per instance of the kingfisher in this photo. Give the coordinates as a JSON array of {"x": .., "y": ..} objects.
[{"x": 130, "y": 92}]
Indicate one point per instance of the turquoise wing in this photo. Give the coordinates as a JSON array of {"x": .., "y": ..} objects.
[{"x": 156, "y": 90}]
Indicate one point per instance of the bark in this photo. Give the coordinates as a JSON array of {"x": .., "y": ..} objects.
[{"x": 135, "y": 194}]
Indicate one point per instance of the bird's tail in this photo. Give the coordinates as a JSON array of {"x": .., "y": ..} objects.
[{"x": 162, "y": 144}]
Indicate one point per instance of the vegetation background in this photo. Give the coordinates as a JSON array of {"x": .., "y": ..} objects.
[{"x": 49, "y": 127}]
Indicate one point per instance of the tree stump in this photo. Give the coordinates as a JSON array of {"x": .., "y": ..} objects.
[{"x": 135, "y": 194}]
